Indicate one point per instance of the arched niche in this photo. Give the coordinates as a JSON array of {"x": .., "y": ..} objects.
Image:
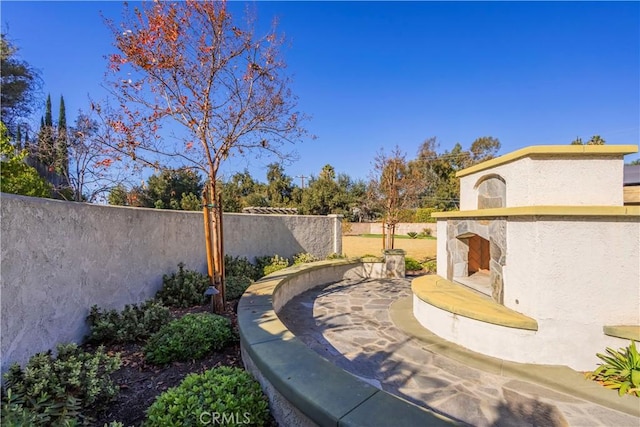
[{"x": 492, "y": 191}]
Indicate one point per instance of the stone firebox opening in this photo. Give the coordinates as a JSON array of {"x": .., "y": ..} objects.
[
  {"x": 474, "y": 270},
  {"x": 476, "y": 255}
]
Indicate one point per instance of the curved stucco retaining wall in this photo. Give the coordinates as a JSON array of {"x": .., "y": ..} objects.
[
  {"x": 60, "y": 258},
  {"x": 305, "y": 389}
]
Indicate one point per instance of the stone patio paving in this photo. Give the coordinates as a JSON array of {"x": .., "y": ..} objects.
[{"x": 349, "y": 323}]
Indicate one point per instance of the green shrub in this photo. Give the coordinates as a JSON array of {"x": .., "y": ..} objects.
[
  {"x": 336, "y": 256},
  {"x": 430, "y": 265},
  {"x": 424, "y": 214},
  {"x": 620, "y": 370},
  {"x": 190, "y": 337},
  {"x": 235, "y": 286},
  {"x": 59, "y": 390},
  {"x": 224, "y": 392},
  {"x": 407, "y": 215},
  {"x": 303, "y": 258},
  {"x": 412, "y": 234},
  {"x": 371, "y": 258},
  {"x": 132, "y": 324},
  {"x": 274, "y": 264},
  {"x": 261, "y": 262},
  {"x": 183, "y": 289},
  {"x": 14, "y": 414},
  {"x": 411, "y": 264},
  {"x": 241, "y": 267}
]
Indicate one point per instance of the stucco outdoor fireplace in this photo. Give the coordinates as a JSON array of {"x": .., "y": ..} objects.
[{"x": 547, "y": 252}]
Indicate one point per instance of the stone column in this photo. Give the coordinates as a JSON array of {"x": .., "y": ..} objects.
[
  {"x": 336, "y": 229},
  {"x": 394, "y": 262}
]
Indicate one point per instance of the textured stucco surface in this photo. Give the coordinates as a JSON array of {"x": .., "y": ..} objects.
[
  {"x": 60, "y": 258},
  {"x": 568, "y": 180},
  {"x": 254, "y": 235},
  {"x": 577, "y": 270}
]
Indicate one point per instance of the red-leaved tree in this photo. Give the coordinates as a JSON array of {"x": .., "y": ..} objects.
[{"x": 217, "y": 88}]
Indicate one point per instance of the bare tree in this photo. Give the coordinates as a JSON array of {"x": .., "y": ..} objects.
[
  {"x": 222, "y": 90},
  {"x": 395, "y": 187},
  {"x": 93, "y": 168}
]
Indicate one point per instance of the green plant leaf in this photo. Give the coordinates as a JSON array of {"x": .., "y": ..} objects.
[
  {"x": 623, "y": 388},
  {"x": 635, "y": 378}
]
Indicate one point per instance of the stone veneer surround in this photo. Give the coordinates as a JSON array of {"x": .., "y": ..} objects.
[{"x": 493, "y": 230}]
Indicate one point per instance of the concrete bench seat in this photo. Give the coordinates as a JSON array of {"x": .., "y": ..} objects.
[
  {"x": 460, "y": 300},
  {"x": 629, "y": 332}
]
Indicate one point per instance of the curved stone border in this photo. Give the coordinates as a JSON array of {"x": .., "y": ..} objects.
[{"x": 303, "y": 388}]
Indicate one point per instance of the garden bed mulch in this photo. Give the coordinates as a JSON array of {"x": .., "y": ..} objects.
[{"x": 140, "y": 383}]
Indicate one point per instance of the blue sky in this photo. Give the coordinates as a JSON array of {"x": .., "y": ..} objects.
[{"x": 374, "y": 74}]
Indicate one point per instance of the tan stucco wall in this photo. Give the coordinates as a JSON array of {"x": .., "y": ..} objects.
[
  {"x": 401, "y": 229},
  {"x": 60, "y": 258}
]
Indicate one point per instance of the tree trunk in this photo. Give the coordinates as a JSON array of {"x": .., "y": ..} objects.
[
  {"x": 384, "y": 235},
  {"x": 388, "y": 235},
  {"x": 213, "y": 239},
  {"x": 207, "y": 237},
  {"x": 220, "y": 241}
]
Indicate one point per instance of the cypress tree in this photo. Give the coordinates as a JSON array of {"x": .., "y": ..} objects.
[
  {"x": 48, "y": 118},
  {"x": 46, "y": 141},
  {"x": 62, "y": 149}
]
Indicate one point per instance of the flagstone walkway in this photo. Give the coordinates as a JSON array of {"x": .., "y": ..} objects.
[{"x": 354, "y": 324}]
